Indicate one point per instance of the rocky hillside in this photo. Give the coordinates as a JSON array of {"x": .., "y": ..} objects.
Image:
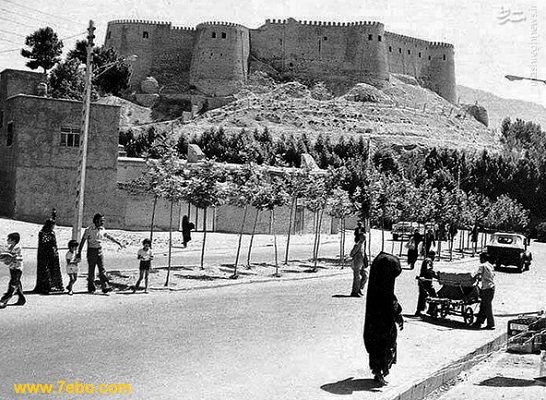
[
  {"x": 499, "y": 108},
  {"x": 404, "y": 114}
]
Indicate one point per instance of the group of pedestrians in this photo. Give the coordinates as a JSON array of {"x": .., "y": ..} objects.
[
  {"x": 48, "y": 273},
  {"x": 383, "y": 311}
]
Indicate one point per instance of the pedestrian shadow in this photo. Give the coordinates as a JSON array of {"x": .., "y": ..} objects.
[
  {"x": 341, "y": 295},
  {"x": 446, "y": 322},
  {"x": 502, "y": 381},
  {"x": 351, "y": 385}
]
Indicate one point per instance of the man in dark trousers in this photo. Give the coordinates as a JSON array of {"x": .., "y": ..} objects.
[{"x": 94, "y": 236}]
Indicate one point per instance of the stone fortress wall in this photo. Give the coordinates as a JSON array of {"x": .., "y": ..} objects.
[{"x": 215, "y": 57}]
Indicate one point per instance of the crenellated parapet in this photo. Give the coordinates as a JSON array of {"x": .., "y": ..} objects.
[
  {"x": 441, "y": 44},
  {"x": 214, "y": 56},
  {"x": 137, "y": 21},
  {"x": 220, "y": 23},
  {"x": 322, "y": 23}
]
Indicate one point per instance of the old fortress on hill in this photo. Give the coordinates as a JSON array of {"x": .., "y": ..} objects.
[{"x": 215, "y": 58}]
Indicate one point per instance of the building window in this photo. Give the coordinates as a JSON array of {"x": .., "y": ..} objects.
[
  {"x": 390, "y": 49},
  {"x": 1, "y": 119},
  {"x": 325, "y": 38},
  {"x": 224, "y": 35},
  {"x": 9, "y": 142},
  {"x": 214, "y": 35},
  {"x": 419, "y": 54},
  {"x": 109, "y": 35},
  {"x": 444, "y": 57},
  {"x": 370, "y": 37},
  {"x": 144, "y": 35},
  {"x": 70, "y": 137},
  {"x": 409, "y": 51},
  {"x": 400, "y": 50},
  {"x": 280, "y": 42},
  {"x": 379, "y": 38},
  {"x": 429, "y": 58}
]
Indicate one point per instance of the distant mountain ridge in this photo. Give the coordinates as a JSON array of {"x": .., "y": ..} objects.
[{"x": 499, "y": 108}]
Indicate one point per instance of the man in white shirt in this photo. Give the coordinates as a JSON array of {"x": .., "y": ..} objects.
[
  {"x": 94, "y": 236},
  {"x": 487, "y": 276}
]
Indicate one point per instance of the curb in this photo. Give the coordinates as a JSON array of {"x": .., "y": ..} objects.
[
  {"x": 447, "y": 374},
  {"x": 246, "y": 282}
]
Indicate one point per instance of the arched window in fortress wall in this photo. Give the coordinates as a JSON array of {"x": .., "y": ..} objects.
[{"x": 145, "y": 35}]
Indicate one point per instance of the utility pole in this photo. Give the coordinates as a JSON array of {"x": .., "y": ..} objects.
[{"x": 82, "y": 166}]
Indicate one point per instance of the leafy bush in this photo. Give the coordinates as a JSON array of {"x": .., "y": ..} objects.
[{"x": 541, "y": 232}]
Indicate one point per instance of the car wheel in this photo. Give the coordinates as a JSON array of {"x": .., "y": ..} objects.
[{"x": 521, "y": 266}]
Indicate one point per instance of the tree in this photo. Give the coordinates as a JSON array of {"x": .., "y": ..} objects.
[
  {"x": 205, "y": 188},
  {"x": 243, "y": 184},
  {"x": 111, "y": 72},
  {"x": 339, "y": 205},
  {"x": 45, "y": 49},
  {"x": 67, "y": 80}
]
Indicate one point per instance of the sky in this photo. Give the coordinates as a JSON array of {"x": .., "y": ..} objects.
[{"x": 492, "y": 38}]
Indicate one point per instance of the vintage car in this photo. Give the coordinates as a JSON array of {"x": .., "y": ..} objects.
[
  {"x": 404, "y": 229},
  {"x": 509, "y": 249}
]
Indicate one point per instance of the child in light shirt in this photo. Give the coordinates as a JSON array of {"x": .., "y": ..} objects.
[
  {"x": 72, "y": 264},
  {"x": 145, "y": 255}
]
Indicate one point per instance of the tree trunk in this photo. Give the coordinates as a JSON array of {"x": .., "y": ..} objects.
[
  {"x": 292, "y": 210},
  {"x": 275, "y": 242},
  {"x": 341, "y": 241},
  {"x": 318, "y": 239},
  {"x": 153, "y": 220},
  {"x": 252, "y": 238},
  {"x": 204, "y": 237},
  {"x": 239, "y": 244},
  {"x": 170, "y": 244}
]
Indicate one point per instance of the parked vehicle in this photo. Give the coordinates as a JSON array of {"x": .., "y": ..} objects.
[
  {"x": 404, "y": 229},
  {"x": 509, "y": 249}
]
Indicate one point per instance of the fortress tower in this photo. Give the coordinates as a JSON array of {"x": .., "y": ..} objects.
[
  {"x": 220, "y": 58},
  {"x": 215, "y": 57}
]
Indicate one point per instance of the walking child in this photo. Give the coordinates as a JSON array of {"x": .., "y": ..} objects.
[
  {"x": 72, "y": 264},
  {"x": 145, "y": 255},
  {"x": 14, "y": 260}
]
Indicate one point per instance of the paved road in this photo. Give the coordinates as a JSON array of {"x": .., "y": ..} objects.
[{"x": 263, "y": 341}]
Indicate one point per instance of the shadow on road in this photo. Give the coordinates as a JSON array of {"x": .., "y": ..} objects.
[
  {"x": 502, "y": 381},
  {"x": 446, "y": 323},
  {"x": 341, "y": 295},
  {"x": 350, "y": 385}
]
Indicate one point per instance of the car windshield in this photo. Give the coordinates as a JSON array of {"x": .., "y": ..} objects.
[{"x": 505, "y": 240}]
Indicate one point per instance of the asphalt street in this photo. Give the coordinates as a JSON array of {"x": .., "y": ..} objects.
[{"x": 275, "y": 340}]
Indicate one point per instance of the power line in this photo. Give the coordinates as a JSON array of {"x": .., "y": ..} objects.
[
  {"x": 29, "y": 17},
  {"x": 11, "y": 33},
  {"x": 9, "y": 51},
  {"x": 18, "y": 23},
  {"x": 43, "y": 12},
  {"x": 6, "y": 40}
]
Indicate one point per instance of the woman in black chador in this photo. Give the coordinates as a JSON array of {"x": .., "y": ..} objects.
[
  {"x": 187, "y": 226},
  {"x": 382, "y": 314},
  {"x": 48, "y": 274}
]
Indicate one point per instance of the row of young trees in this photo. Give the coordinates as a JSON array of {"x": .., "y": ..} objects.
[
  {"x": 517, "y": 171},
  {"x": 380, "y": 195}
]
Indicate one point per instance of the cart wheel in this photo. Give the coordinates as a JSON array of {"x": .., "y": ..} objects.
[
  {"x": 443, "y": 311},
  {"x": 468, "y": 315},
  {"x": 434, "y": 311}
]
